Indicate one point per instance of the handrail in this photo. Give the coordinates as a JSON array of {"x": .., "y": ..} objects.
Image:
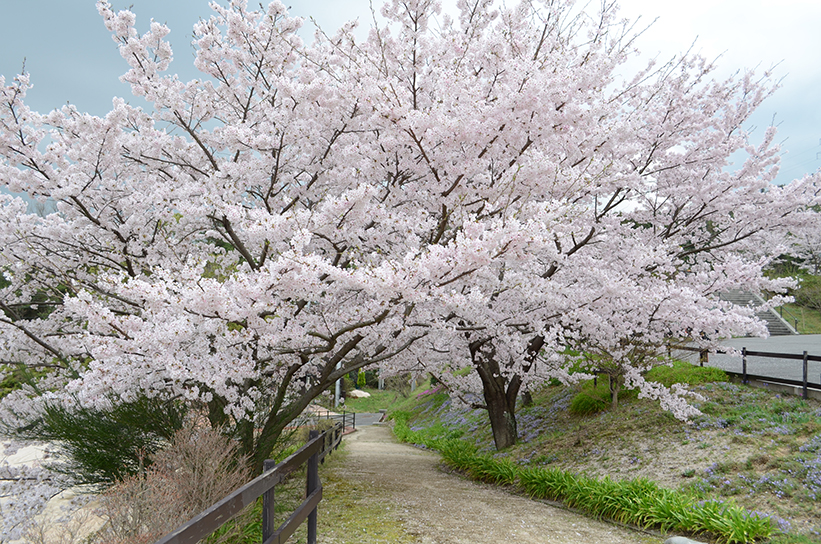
[
  {"x": 804, "y": 358},
  {"x": 348, "y": 419},
  {"x": 214, "y": 517},
  {"x": 782, "y": 309}
]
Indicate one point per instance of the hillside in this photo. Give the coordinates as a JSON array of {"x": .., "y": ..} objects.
[{"x": 759, "y": 449}]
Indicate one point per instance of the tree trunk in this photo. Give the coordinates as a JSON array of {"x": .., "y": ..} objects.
[
  {"x": 615, "y": 387},
  {"x": 500, "y": 394},
  {"x": 502, "y": 418}
]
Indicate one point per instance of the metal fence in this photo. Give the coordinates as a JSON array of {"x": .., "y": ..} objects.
[
  {"x": 795, "y": 370},
  {"x": 346, "y": 419}
]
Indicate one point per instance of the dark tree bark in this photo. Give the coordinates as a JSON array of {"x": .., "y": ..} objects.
[
  {"x": 615, "y": 387},
  {"x": 500, "y": 388},
  {"x": 500, "y": 401}
]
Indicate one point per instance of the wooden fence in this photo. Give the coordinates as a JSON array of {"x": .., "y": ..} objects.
[{"x": 312, "y": 453}]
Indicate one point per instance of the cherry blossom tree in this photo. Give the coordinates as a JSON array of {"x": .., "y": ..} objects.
[
  {"x": 627, "y": 219},
  {"x": 803, "y": 245},
  {"x": 488, "y": 193},
  {"x": 220, "y": 248}
]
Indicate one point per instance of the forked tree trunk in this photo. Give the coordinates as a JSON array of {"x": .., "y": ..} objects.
[
  {"x": 500, "y": 392},
  {"x": 500, "y": 396},
  {"x": 502, "y": 419}
]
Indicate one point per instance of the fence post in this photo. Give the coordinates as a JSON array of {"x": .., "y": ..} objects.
[
  {"x": 268, "y": 502},
  {"x": 744, "y": 365},
  {"x": 804, "y": 391},
  {"x": 312, "y": 484}
]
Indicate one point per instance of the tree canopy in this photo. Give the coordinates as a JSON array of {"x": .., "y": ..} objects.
[{"x": 495, "y": 192}]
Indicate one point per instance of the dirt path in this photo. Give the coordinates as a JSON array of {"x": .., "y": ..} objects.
[{"x": 440, "y": 508}]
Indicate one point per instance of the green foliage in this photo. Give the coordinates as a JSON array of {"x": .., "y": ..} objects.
[
  {"x": 639, "y": 501},
  {"x": 592, "y": 399},
  {"x": 685, "y": 373},
  {"x": 360, "y": 379},
  {"x": 105, "y": 446}
]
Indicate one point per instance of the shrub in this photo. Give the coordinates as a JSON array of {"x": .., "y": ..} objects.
[
  {"x": 685, "y": 373},
  {"x": 197, "y": 468},
  {"x": 592, "y": 399},
  {"x": 105, "y": 446}
]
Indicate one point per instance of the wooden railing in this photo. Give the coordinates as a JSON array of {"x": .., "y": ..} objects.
[{"x": 312, "y": 453}]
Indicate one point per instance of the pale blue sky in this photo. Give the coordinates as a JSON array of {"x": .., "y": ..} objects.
[{"x": 71, "y": 57}]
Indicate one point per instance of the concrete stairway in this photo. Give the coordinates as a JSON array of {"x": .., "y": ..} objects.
[{"x": 775, "y": 323}]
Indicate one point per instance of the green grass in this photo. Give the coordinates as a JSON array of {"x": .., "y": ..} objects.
[
  {"x": 685, "y": 373},
  {"x": 379, "y": 400},
  {"x": 809, "y": 319},
  {"x": 765, "y": 449}
]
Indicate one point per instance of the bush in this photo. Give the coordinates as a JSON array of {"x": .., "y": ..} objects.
[
  {"x": 590, "y": 401},
  {"x": 106, "y": 446},
  {"x": 685, "y": 373},
  {"x": 197, "y": 468}
]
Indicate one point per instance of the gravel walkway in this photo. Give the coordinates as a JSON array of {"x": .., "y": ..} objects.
[{"x": 441, "y": 508}]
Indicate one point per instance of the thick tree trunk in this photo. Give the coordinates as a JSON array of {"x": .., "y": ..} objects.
[
  {"x": 500, "y": 395},
  {"x": 502, "y": 418}
]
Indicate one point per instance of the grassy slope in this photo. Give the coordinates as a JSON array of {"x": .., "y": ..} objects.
[
  {"x": 756, "y": 448},
  {"x": 809, "y": 320},
  {"x": 378, "y": 400}
]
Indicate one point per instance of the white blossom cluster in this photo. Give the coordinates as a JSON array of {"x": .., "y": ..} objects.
[{"x": 492, "y": 194}]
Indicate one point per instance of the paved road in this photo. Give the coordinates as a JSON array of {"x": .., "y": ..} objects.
[
  {"x": 772, "y": 367},
  {"x": 365, "y": 419}
]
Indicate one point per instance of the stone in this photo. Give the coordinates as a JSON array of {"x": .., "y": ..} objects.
[
  {"x": 681, "y": 540},
  {"x": 357, "y": 394}
]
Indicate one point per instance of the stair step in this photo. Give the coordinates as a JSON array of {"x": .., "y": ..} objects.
[{"x": 775, "y": 324}]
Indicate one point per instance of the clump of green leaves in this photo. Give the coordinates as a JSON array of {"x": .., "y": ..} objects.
[
  {"x": 594, "y": 397},
  {"x": 105, "y": 446}
]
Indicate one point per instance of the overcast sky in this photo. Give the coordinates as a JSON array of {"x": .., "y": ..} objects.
[{"x": 71, "y": 57}]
